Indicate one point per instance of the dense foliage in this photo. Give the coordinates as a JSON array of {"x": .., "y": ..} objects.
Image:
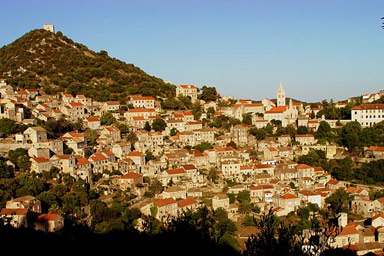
[{"x": 56, "y": 63}]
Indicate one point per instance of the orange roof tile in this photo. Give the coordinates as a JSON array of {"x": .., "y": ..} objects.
[
  {"x": 175, "y": 171},
  {"x": 288, "y": 196},
  {"x": 164, "y": 202},
  {"x": 21, "y": 211},
  {"x": 47, "y": 217},
  {"x": 274, "y": 110},
  {"x": 135, "y": 153},
  {"x": 131, "y": 175},
  {"x": 76, "y": 104},
  {"x": 40, "y": 159},
  {"x": 186, "y": 202}
]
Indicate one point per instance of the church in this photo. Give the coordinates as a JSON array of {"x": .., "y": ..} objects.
[{"x": 287, "y": 114}]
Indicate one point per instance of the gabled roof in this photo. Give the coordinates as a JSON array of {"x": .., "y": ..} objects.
[
  {"x": 289, "y": 196},
  {"x": 131, "y": 175},
  {"x": 40, "y": 159},
  {"x": 82, "y": 160},
  {"x": 304, "y": 166},
  {"x": 368, "y": 106},
  {"x": 47, "y": 217},
  {"x": 333, "y": 182},
  {"x": 20, "y": 211},
  {"x": 186, "y": 202},
  {"x": 276, "y": 110},
  {"x": 373, "y": 148},
  {"x": 175, "y": 171},
  {"x": 136, "y": 110},
  {"x": 98, "y": 157},
  {"x": 304, "y": 136},
  {"x": 187, "y": 86},
  {"x": 164, "y": 202},
  {"x": 380, "y": 215},
  {"x": 76, "y": 104},
  {"x": 135, "y": 153},
  {"x": 142, "y": 98}
]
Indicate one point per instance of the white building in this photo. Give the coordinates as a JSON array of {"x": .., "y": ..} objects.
[
  {"x": 187, "y": 90},
  {"x": 49, "y": 27},
  {"x": 368, "y": 114}
]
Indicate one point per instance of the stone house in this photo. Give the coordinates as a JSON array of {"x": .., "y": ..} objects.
[
  {"x": 187, "y": 204},
  {"x": 220, "y": 201},
  {"x": 40, "y": 164},
  {"x": 166, "y": 207},
  {"x": 289, "y": 202},
  {"x": 25, "y": 202},
  {"x": 130, "y": 180},
  {"x": 142, "y": 102},
  {"x": 305, "y": 139},
  {"x": 53, "y": 223},
  {"x": 174, "y": 192},
  {"x": 187, "y": 90},
  {"x": 35, "y": 134}
]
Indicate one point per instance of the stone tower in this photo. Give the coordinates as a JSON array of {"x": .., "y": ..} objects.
[
  {"x": 49, "y": 27},
  {"x": 280, "y": 96}
]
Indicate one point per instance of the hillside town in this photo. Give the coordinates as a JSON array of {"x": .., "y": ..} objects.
[{"x": 191, "y": 161}]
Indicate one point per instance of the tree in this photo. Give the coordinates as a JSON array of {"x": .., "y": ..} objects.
[
  {"x": 20, "y": 158},
  {"x": 4, "y": 170},
  {"x": 107, "y": 119},
  {"x": 324, "y": 131},
  {"x": 212, "y": 175},
  {"x": 7, "y": 126},
  {"x": 196, "y": 110},
  {"x": 149, "y": 156},
  {"x": 302, "y": 130},
  {"x": 247, "y": 119},
  {"x": 210, "y": 112},
  {"x": 350, "y": 136},
  {"x": 339, "y": 201},
  {"x": 260, "y": 134},
  {"x": 203, "y": 146},
  {"x": 147, "y": 126},
  {"x": 208, "y": 93},
  {"x": 155, "y": 186},
  {"x": 244, "y": 196},
  {"x": 91, "y": 135},
  {"x": 173, "y": 132},
  {"x": 159, "y": 125},
  {"x": 132, "y": 138},
  {"x": 274, "y": 238}
]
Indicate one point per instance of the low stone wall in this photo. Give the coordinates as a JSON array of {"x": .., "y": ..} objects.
[{"x": 5, "y": 147}]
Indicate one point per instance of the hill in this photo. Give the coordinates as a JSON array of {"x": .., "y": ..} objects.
[{"x": 55, "y": 63}]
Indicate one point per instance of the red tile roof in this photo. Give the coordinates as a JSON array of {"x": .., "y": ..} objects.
[
  {"x": 76, "y": 104},
  {"x": 187, "y": 86},
  {"x": 373, "y": 148},
  {"x": 369, "y": 106},
  {"x": 304, "y": 166},
  {"x": 131, "y": 175},
  {"x": 81, "y": 161},
  {"x": 21, "y": 211},
  {"x": 274, "y": 110},
  {"x": 41, "y": 159},
  {"x": 175, "y": 171},
  {"x": 135, "y": 153},
  {"x": 164, "y": 202},
  {"x": 142, "y": 98},
  {"x": 98, "y": 157},
  {"x": 47, "y": 217},
  {"x": 288, "y": 196},
  {"x": 186, "y": 202}
]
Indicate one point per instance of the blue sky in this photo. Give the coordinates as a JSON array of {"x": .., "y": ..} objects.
[{"x": 318, "y": 49}]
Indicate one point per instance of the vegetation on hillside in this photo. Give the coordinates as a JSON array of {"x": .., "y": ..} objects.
[{"x": 41, "y": 59}]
